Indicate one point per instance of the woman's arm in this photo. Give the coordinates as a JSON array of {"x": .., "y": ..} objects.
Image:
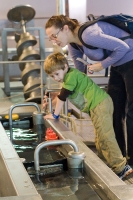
[
  {"x": 105, "y": 38},
  {"x": 77, "y": 53}
]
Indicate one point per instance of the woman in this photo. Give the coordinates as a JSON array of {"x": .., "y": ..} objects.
[{"x": 64, "y": 31}]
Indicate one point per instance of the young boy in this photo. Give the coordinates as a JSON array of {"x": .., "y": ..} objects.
[{"x": 91, "y": 99}]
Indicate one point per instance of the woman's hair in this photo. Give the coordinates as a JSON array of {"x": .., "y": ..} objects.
[
  {"x": 58, "y": 21},
  {"x": 54, "y": 61}
]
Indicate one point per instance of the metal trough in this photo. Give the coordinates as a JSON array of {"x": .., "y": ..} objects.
[
  {"x": 103, "y": 179},
  {"x": 15, "y": 183}
]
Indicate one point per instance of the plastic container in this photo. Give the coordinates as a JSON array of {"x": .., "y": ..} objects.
[{"x": 51, "y": 135}]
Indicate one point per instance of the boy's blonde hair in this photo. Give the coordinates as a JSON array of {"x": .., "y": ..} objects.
[{"x": 54, "y": 61}]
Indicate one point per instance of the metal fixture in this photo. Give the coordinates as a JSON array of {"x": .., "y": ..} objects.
[
  {"x": 10, "y": 114},
  {"x": 11, "y": 168},
  {"x": 49, "y": 100},
  {"x": 38, "y": 124},
  {"x": 38, "y": 118},
  {"x": 6, "y": 63},
  {"x": 75, "y": 158},
  {"x": 25, "y": 41}
]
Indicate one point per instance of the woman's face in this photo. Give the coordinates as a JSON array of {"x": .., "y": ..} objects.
[{"x": 58, "y": 35}]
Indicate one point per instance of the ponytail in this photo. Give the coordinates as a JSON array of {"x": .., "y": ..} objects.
[{"x": 60, "y": 20}]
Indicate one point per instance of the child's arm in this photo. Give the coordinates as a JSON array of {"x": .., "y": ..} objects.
[{"x": 58, "y": 107}]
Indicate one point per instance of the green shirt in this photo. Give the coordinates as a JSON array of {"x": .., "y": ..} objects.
[{"x": 86, "y": 94}]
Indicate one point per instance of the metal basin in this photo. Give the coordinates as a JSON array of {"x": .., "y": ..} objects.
[{"x": 15, "y": 184}]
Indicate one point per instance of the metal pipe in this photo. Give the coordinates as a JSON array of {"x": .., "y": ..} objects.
[
  {"x": 22, "y": 61},
  {"x": 10, "y": 115},
  {"x": 49, "y": 143},
  {"x": 23, "y": 26},
  {"x": 49, "y": 100},
  {"x": 52, "y": 90},
  {"x": 65, "y": 107},
  {"x": 21, "y": 105}
]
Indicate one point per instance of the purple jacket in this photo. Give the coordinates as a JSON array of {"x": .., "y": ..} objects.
[{"x": 104, "y": 36}]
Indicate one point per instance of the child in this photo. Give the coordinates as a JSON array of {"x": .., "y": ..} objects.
[{"x": 91, "y": 99}]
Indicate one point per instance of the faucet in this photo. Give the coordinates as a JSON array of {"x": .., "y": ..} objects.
[
  {"x": 49, "y": 100},
  {"x": 65, "y": 107},
  {"x": 75, "y": 155},
  {"x": 10, "y": 114}
]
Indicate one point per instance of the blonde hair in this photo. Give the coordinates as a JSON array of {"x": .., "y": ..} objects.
[
  {"x": 58, "y": 21},
  {"x": 54, "y": 61}
]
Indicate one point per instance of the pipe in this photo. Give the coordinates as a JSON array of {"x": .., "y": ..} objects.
[
  {"x": 10, "y": 115},
  {"x": 21, "y": 105},
  {"x": 52, "y": 90},
  {"x": 49, "y": 143},
  {"x": 49, "y": 100},
  {"x": 23, "y": 26},
  {"x": 22, "y": 61}
]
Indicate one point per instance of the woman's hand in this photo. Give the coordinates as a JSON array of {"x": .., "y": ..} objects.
[
  {"x": 96, "y": 67},
  {"x": 49, "y": 116}
]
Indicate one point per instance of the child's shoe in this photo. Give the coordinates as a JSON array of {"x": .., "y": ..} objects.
[{"x": 126, "y": 173}]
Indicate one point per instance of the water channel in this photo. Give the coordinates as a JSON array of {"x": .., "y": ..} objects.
[{"x": 55, "y": 181}]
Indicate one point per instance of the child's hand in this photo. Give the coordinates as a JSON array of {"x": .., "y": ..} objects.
[{"x": 49, "y": 116}]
